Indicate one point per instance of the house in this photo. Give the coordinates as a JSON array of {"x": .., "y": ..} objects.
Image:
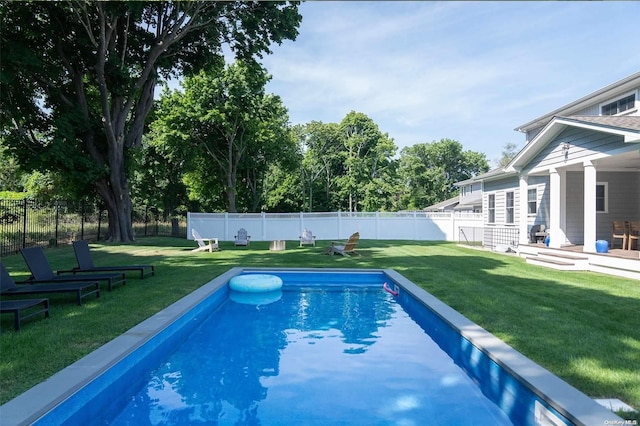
[
  {"x": 578, "y": 172},
  {"x": 469, "y": 200}
]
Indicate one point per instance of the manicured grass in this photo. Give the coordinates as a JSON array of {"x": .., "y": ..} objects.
[{"x": 584, "y": 327}]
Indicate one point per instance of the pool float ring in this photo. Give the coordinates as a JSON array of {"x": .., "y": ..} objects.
[
  {"x": 257, "y": 299},
  {"x": 255, "y": 283},
  {"x": 386, "y": 288}
]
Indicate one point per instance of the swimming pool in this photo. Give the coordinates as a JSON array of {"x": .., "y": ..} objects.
[{"x": 521, "y": 392}]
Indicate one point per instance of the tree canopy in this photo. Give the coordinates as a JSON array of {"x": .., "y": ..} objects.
[
  {"x": 430, "y": 170},
  {"x": 228, "y": 131},
  {"x": 76, "y": 87}
]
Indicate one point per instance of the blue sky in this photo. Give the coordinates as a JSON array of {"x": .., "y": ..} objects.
[{"x": 469, "y": 71}]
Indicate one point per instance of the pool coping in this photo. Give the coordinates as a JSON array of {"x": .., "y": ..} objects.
[{"x": 33, "y": 404}]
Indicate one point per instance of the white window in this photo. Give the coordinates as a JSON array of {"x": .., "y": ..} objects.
[
  {"x": 510, "y": 208},
  {"x": 602, "y": 197},
  {"x": 492, "y": 208},
  {"x": 619, "y": 105},
  {"x": 532, "y": 201}
]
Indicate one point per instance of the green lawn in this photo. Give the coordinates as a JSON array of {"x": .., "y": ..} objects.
[{"x": 584, "y": 327}]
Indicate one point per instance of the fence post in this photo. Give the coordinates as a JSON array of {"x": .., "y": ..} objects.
[
  {"x": 82, "y": 220},
  {"x": 57, "y": 220},
  {"x": 226, "y": 225},
  {"x": 24, "y": 223},
  {"x": 301, "y": 227},
  {"x": 99, "y": 221}
]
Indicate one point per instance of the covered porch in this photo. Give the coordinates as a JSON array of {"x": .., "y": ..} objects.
[{"x": 592, "y": 174}]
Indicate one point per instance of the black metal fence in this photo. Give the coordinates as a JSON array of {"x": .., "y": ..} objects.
[
  {"x": 27, "y": 223},
  {"x": 488, "y": 236}
]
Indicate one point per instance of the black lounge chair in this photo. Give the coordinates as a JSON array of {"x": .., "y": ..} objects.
[
  {"x": 85, "y": 262},
  {"x": 41, "y": 271},
  {"x": 15, "y": 307},
  {"x": 8, "y": 287}
]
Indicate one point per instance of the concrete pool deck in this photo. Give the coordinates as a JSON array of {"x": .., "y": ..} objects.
[{"x": 32, "y": 405}]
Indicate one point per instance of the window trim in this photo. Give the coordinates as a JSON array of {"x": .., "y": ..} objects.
[
  {"x": 535, "y": 200},
  {"x": 491, "y": 211},
  {"x": 510, "y": 211},
  {"x": 616, "y": 101},
  {"x": 605, "y": 185}
]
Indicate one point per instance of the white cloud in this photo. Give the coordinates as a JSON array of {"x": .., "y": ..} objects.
[{"x": 467, "y": 70}]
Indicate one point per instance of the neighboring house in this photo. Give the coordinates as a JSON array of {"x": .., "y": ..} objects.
[
  {"x": 444, "y": 206},
  {"x": 578, "y": 172},
  {"x": 468, "y": 201}
]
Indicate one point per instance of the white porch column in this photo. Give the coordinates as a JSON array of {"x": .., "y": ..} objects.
[
  {"x": 523, "y": 227},
  {"x": 555, "y": 234},
  {"x": 589, "y": 207}
]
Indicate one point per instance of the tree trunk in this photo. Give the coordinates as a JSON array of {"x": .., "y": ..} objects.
[{"x": 119, "y": 209}]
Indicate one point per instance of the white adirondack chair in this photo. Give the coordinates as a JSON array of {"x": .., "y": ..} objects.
[{"x": 210, "y": 244}]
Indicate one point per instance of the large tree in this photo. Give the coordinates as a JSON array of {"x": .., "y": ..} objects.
[
  {"x": 321, "y": 144},
  {"x": 230, "y": 132},
  {"x": 367, "y": 155},
  {"x": 429, "y": 171},
  {"x": 78, "y": 78}
]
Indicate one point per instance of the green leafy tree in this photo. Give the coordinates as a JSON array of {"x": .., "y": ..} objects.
[
  {"x": 273, "y": 150},
  {"x": 367, "y": 163},
  {"x": 78, "y": 78},
  {"x": 228, "y": 133},
  {"x": 10, "y": 173},
  {"x": 430, "y": 170},
  {"x": 321, "y": 144}
]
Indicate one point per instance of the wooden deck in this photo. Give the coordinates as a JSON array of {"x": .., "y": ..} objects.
[{"x": 623, "y": 254}]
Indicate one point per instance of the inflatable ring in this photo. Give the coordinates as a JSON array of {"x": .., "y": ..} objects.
[
  {"x": 255, "y": 283},
  {"x": 257, "y": 299}
]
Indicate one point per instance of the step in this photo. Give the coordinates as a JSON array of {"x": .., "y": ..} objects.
[
  {"x": 579, "y": 262},
  {"x": 562, "y": 255},
  {"x": 555, "y": 264}
]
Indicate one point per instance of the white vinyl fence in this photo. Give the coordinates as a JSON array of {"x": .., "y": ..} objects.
[{"x": 424, "y": 226}]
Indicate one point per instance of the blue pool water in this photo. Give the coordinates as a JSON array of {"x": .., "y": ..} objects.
[
  {"x": 317, "y": 356},
  {"x": 332, "y": 348}
]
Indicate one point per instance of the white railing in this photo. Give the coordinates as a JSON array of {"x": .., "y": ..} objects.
[{"x": 423, "y": 226}]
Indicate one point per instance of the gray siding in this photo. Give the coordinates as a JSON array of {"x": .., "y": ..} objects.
[
  {"x": 542, "y": 213},
  {"x": 499, "y": 188},
  {"x": 473, "y": 193},
  {"x": 582, "y": 143},
  {"x": 623, "y": 203},
  {"x": 624, "y": 200},
  {"x": 592, "y": 110}
]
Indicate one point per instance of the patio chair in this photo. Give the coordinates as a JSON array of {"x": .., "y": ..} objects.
[
  {"x": 41, "y": 271},
  {"x": 344, "y": 248},
  {"x": 8, "y": 287},
  {"x": 307, "y": 237},
  {"x": 16, "y": 307},
  {"x": 242, "y": 239},
  {"x": 85, "y": 262},
  {"x": 210, "y": 244},
  {"x": 620, "y": 232},
  {"x": 634, "y": 235},
  {"x": 538, "y": 233}
]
